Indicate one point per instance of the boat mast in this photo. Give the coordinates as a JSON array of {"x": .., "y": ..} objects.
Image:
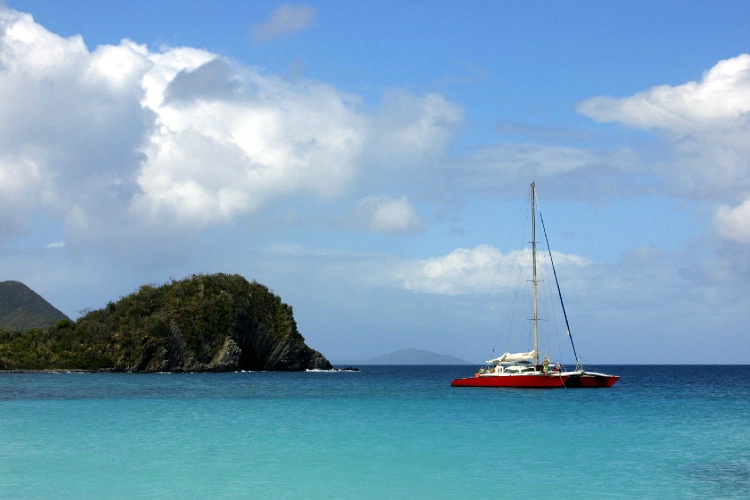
[{"x": 533, "y": 279}]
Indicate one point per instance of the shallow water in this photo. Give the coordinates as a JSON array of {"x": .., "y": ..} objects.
[{"x": 385, "y": 432}]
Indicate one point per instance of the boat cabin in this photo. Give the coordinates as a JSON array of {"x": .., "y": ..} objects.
[{"x": 508, "y": 369}]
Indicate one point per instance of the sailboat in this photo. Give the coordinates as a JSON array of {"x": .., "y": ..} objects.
[{"x": 523, "y": 370}]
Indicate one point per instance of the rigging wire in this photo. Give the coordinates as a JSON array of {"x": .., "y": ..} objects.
[
  {"x": 549, "y": 334},
  {"x": 552, "y": 337},
  {"x": 559, "y": 293},
  {"x": 514, "y": 234},
  {"x": 509, "y": 328}
]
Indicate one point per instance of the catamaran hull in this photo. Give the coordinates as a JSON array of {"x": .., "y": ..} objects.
[
  {"x": 518, "y": 381},
  {"x": 591, "y": 380}
]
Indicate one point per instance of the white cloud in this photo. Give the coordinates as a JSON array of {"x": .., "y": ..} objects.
[
  {"x": 69, "y": 134},
  {"x": 119, "y": 67},
  {"x": 284, "y": 20},
  {"x": 721, "y": 99},
  {"x": 530, "y": 160},
  {"x": 221, "y": 154},
  {"x": 123, "y": 137},
  {"x": 20, "y": 181},
  {"x": 733, "y": 223},
  {"x": 706, "y": 122},
  {"x": 462, "y": 271},
  {"x": 387, "y": 215},
  {"x": 41, "y": 52},
  {"x": 474, "y": 270},
  {"x": 409, "y": 129}
]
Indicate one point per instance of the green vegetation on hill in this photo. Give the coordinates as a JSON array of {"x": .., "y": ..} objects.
[
  {"x": 22, "y": 308},
  {"x": 204, "y": 323}
]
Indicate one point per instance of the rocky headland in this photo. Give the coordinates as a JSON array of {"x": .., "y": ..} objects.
[{"x": 205, "y": 323}]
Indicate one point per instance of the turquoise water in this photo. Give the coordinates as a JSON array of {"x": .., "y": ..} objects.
[{"x": 386, "y": 432}]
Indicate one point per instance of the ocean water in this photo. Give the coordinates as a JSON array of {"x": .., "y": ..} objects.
[{"x": 385, "y": 432}]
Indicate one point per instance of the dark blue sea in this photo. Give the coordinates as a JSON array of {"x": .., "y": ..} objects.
[{"x": 385, "y": 432}]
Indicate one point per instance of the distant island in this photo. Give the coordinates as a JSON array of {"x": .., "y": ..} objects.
[
  {"x": 203, "y": 323},
  {"x": 412, "y": 357},
  {"x": 22, "y": 308}
]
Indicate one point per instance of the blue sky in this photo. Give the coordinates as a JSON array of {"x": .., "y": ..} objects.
[{"x": 367, "y": 162}]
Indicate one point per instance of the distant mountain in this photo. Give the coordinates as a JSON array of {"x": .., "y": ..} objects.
[
  {"x": 22, "y": 308},
  {"x": 414, "y": 357}
]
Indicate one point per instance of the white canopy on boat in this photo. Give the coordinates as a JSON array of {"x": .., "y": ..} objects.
[{"x": 513, "y": 358}]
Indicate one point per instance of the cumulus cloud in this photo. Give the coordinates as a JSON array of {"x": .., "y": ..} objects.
[
  {"x": 720, "y": 99},
  {"x": 284, "y": 20},
  {"x": 212, "y": 80},
  {"x": 123, "y": 137},
  {"x": 232, "y": 139},
  {"x": 409, "y": 129},
  {"x": 733, "y": 223},
  {"x": 706, "y": 122},
  {"x": 707, "y": 125},
  {"x": 474, "y": 270},
  {"x": 462, "y": 271},
  {"x": 72, "y": 121},
  {"x": 382, "y": 214},
  {"x": 410, "y": 137},
  {"x": 20, "y": 179}
]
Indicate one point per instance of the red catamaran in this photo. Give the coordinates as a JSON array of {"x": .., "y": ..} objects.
[{"x": 523, "y": 370}]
